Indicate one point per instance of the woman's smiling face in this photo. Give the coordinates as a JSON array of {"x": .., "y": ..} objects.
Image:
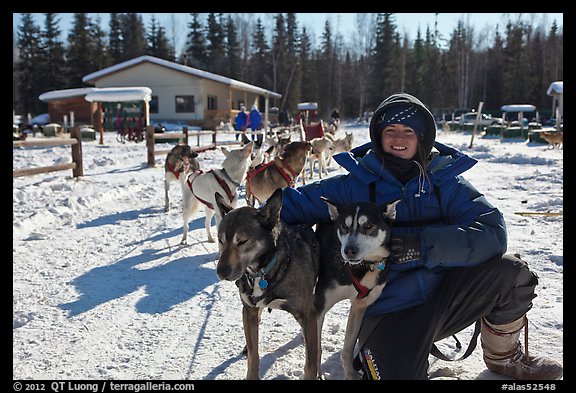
[{"x": 400, "y": 141}]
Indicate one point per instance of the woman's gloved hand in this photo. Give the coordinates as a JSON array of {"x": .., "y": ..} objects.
[{"x": 405, "y": 248}]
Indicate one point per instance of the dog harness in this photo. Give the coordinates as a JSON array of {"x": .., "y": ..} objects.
[
  {"x": 289, "y": 179},
  {"x": 177, "y": 174},
  {"x": 361, "y": 289},
  {"x": 220, "y": 181}
]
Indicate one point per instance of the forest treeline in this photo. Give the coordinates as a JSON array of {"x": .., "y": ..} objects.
[{"x": 510, "y": 64}]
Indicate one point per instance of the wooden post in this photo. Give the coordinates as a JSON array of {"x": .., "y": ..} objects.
[
  {"x": 185, "y": 130},
  {"x": 100, "y": 125},
  {"x": 146, "y": 113},
  {"x": 150, "y": 146},
  {"x": 266, "y": 118},
  {"x": 478, "y": 117},
  {"x": 75, "y": 133}
]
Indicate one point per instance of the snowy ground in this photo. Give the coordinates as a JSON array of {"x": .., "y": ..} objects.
[{"x": 103, "y": 290}]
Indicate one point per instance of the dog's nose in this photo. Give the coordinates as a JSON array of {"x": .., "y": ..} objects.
[
  {"x": 223, "y": 272},
  {"x": 351, "y": 251}
]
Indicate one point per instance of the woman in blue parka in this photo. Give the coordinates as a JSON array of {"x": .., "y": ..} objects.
[{"x": 448, "y": 268}]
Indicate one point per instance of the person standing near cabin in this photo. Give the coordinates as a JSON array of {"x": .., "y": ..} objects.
[
  {"x": 335, "y": 116},
  {"x": 448, "y": 268},
  {"x": 255, "y": 120},
  {"x": 241, "y": 120}
]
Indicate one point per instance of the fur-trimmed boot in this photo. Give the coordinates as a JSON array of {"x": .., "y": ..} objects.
[{"x": 503, "y": 353}]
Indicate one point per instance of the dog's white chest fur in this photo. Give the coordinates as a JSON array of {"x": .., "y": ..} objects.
[{"x": 257, "y": 292}]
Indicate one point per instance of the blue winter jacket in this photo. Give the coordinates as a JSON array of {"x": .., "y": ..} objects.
[
  {"x": 255, "y": 120},
  {"x": 240, "y": 121},
  {"x": 461, "y": 227}
]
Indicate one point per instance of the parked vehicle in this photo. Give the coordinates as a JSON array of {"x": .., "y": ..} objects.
[
  {"x": 550, "y": 122},
  {"x": 485, "y": 120}
]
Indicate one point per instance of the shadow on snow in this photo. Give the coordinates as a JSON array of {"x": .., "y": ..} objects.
[{"x": 166, "y": 285}]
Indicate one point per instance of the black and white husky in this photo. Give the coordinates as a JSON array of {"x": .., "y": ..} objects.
[{"x": 354, "y": 248}]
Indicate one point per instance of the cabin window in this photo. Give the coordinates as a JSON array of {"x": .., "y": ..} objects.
[
  {"x": 184, "y": 104},
  {"x": 153, "y": 104},
  {"x": 212, "y": 103}
]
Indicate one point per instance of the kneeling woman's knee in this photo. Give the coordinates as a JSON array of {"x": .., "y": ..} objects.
[{"x": 518, "y": 271}]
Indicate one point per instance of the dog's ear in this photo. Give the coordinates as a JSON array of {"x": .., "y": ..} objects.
[
  {"x": 245, "y": 139},
  {"x": 259, "y": 140},
  {"x": 247, "y": 149},
  {"x": 333, "y": 208},
  {"x": 225, "y": 150},
  {"x": 389, "y": 210},
  {"x": 270, "y": 212},
  {"x": 193, "y": 154},
  {"x": 222, "y": 205}
]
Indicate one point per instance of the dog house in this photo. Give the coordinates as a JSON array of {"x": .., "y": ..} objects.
[
  {"x": 520, "y": 131},
  {"x": 556, "y": 91}
]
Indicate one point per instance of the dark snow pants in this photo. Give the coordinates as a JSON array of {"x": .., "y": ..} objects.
[{"x": 398, "y": 344}]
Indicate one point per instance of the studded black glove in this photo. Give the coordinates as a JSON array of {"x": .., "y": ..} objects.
[{"x": 405, "y": 248}]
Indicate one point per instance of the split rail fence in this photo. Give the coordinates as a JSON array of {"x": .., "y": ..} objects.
[
  {"x": 151, "y": 138},
  {"x": 75, "y": 141}
]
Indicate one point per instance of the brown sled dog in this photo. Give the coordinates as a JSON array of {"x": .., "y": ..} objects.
[
  {"x": 179, "y": 161},
  {"x": 282, "y": 172},
  {"x": 554, "y": 139},
  {"x": 275, "y": 267}
]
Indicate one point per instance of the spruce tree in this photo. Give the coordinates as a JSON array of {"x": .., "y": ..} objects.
[
  {"x": 28, "y": 57},
  {"x": 195, "y": 54},
  {"x": 215, "y": 48},
  {"x": 261, "y": 65},
  {"x": 52, "y": 64},
  {"x": 233, "y": 66},
  {"x": 116, "y": 39}
]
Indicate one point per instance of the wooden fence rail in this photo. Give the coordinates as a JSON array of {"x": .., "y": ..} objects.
[
  {"x": 75, "y": 141},
  {"x": 151, "y": 140}
]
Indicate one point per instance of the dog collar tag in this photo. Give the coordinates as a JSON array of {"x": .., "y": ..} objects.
[
  {"x": 263, "y": 283},
  {"x": 380, "y": 265}
]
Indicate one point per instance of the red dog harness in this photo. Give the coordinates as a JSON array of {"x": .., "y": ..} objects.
[
  {"x": 361, "y": 289},
  {"x": 177, "y": 174},
  {"x": 220, "y": 181}
]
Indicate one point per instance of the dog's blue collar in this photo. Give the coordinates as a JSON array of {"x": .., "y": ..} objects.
[
  {"x": 381, "y": 265},
  {"x": 261, "y": 273}
]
